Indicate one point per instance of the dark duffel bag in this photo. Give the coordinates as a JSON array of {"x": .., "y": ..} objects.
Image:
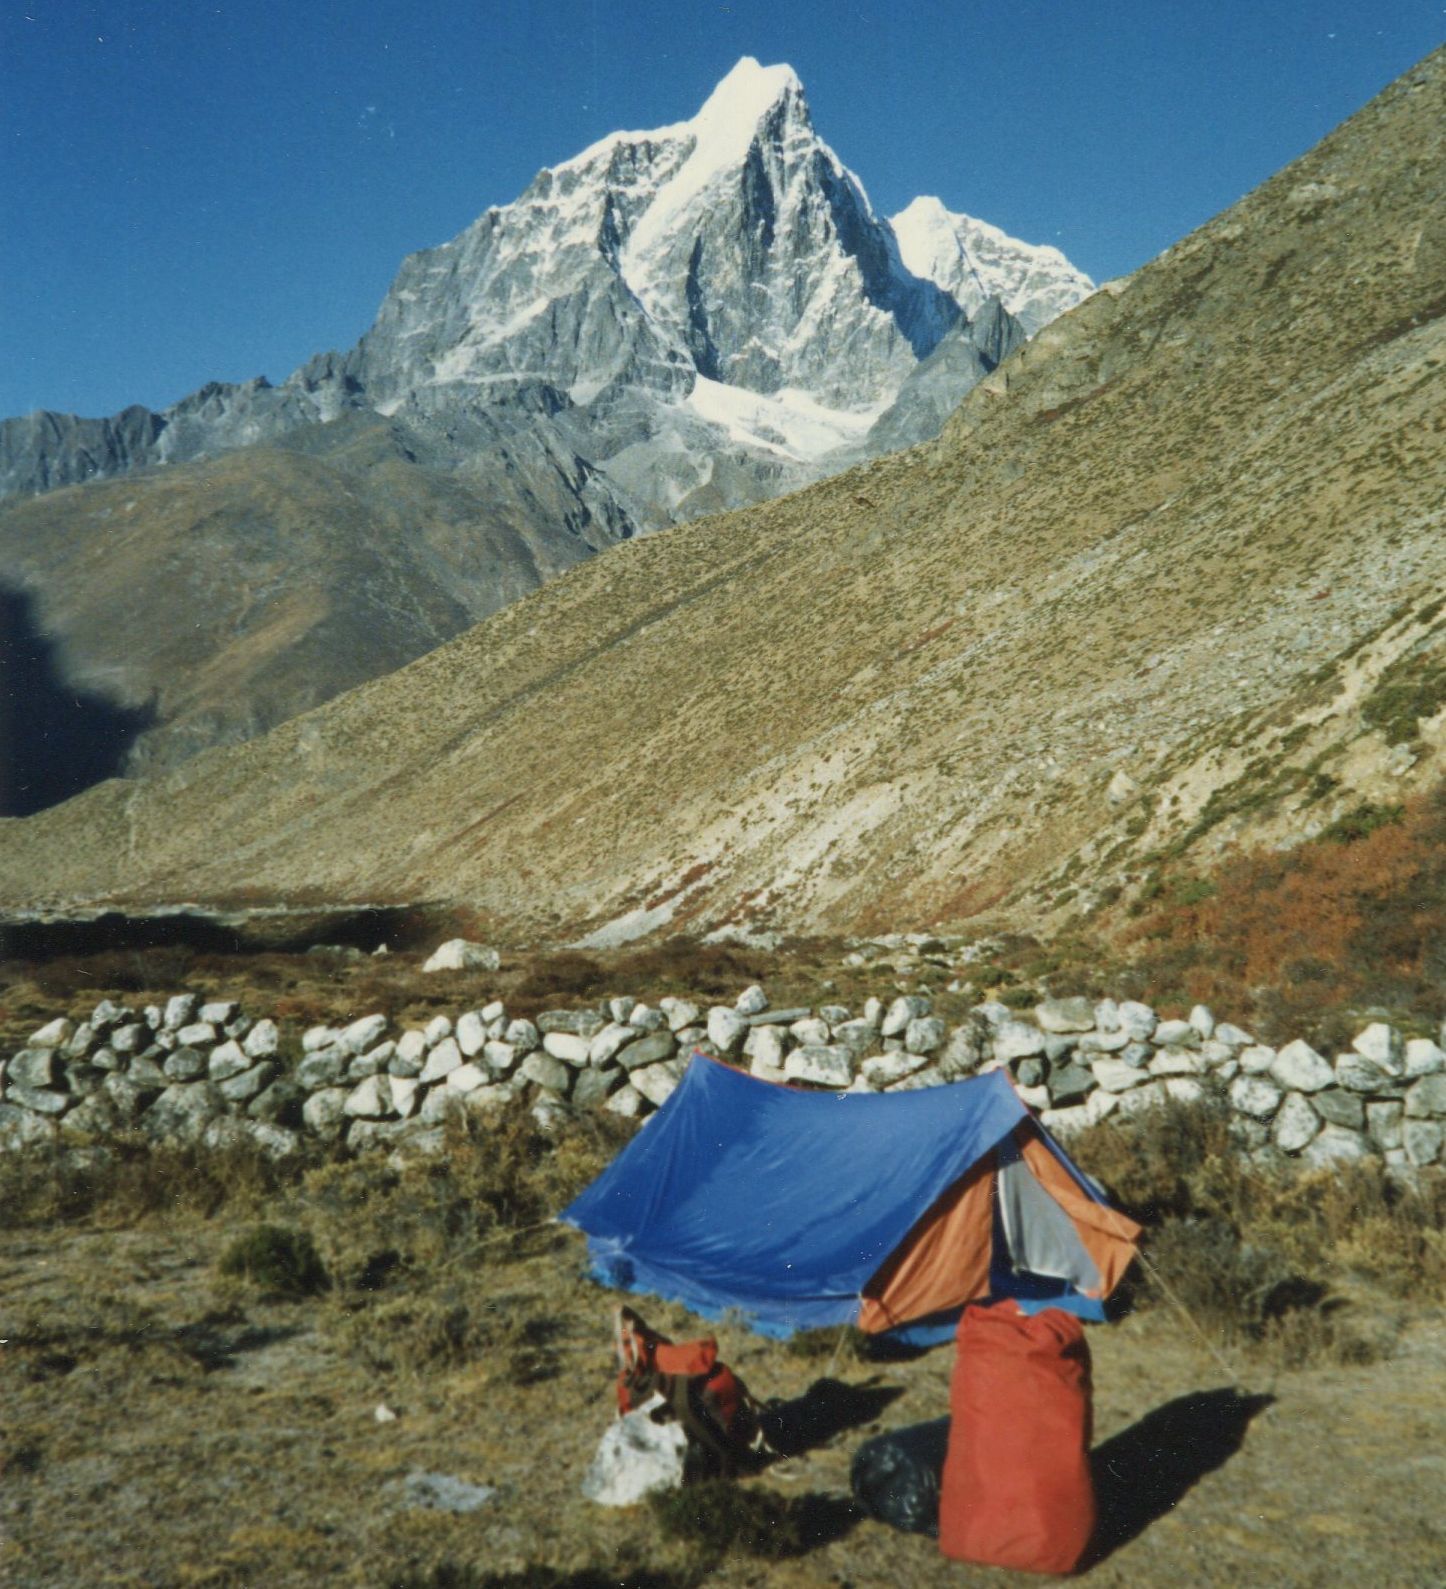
[{"x": 895, "y": 1476}]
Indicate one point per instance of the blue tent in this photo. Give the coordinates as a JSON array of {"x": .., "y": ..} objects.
[{"x": 795, "y": 1209}]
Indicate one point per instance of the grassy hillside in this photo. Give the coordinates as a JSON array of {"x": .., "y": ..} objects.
[{"x": 227, "y": 596}]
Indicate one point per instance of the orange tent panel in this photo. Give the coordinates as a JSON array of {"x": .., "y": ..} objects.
[{"x": 943, "y": 1262}]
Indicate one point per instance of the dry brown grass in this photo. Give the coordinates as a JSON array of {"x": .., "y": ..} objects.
[
  {"x": 130, "y": 1180},
  {"x": 425, "y": 1256},
  {"x": 456, "y": 1304},
  {"x": 1294, "y": 1264}
]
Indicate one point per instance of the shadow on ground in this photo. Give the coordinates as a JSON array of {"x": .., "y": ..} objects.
[
  {"x": 213, "y": 1345},
  {"x": 1146, "y": 1469},
  {"x": 826, "y": 1409}
]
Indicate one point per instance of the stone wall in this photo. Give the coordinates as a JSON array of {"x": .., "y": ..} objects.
[{"x": 209, "y": 1072}]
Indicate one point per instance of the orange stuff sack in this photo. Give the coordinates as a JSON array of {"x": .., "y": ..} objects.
[{"x": 1016, "y": 1489}]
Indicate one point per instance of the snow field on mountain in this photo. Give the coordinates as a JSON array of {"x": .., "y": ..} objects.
[{"x": 790, "y": 421}]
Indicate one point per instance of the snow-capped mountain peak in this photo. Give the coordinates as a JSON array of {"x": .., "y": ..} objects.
[
  {"x": 740, "y": 101},
  {"x": 734, "y": 247},
  {"x": 726, "y": 119},
  {"x": 972, "y": 260},
  {"x": 697, "y": 315}
]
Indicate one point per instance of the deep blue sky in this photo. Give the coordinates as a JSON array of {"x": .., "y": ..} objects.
[{"x": 193, "y": 191}]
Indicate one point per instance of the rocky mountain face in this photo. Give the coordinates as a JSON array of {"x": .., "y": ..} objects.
[
  {"x": 1169, "y": 580},
  {"x": 930, "y": 392},
  {"x": 670, "y": 324}
]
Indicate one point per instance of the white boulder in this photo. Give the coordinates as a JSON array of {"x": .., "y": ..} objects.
[
  {"x": 923, "y": 1035},
  {"x": 603, "y": 1049},
  {"x": 752, "y": 1001},
  {"x": 1017, "y": 1040},
  {"x": 263, "y": 1040},
  {"x": 1298, "y": 1068},
  {"x": 442, "y": 1061},
  {"x": 1334, "y": 1145},
  {"x": 53, "y": 1034},
  {"x": 1114, "y": 1076},
  {"x": 1254, "y": 1096},
  {"x": 726, "y": 1029},
  {"x": 1423, "y": 1057},
  {"x": 1139, "y": 1020},
  {"x": 459, "y": 954},
  {"x": 1296, "y": 1123},
  {"x": 1062, "y": 1016},
  {"x": 657, "y": 1082},
  {"x": 363, "y": 1034},
  {"x": 679, "y": 1013},
  {"x": 1381, "y": 1044},
  {"x": 905, "y": 1008},
  {"x": 371, "y": 1099},
  {"x": 820, "y": 1064},
  {"x": 571, "y": 1050},
  {"x": 471, "y": 1033},
  {"x": 627, "y": 1101},
  {"x": 1178, "y": 1062}
]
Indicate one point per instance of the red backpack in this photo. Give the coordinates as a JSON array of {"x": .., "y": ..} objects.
[{"x": 704, "y": 1394}]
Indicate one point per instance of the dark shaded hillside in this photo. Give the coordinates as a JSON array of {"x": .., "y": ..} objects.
[
  {"x": 55, "y": 739},
  {"x": 221, "y": 598}
]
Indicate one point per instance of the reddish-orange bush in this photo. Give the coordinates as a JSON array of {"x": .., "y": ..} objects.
[{"x": 1341, "y": 921}]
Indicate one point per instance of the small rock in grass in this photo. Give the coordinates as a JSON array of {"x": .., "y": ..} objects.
[{"x": 460, "y": 954}]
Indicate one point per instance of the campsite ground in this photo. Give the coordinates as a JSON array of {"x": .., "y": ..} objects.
[
  {"x": 165, "y": 1424},
  {"x": 160, "y": 1425}
]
